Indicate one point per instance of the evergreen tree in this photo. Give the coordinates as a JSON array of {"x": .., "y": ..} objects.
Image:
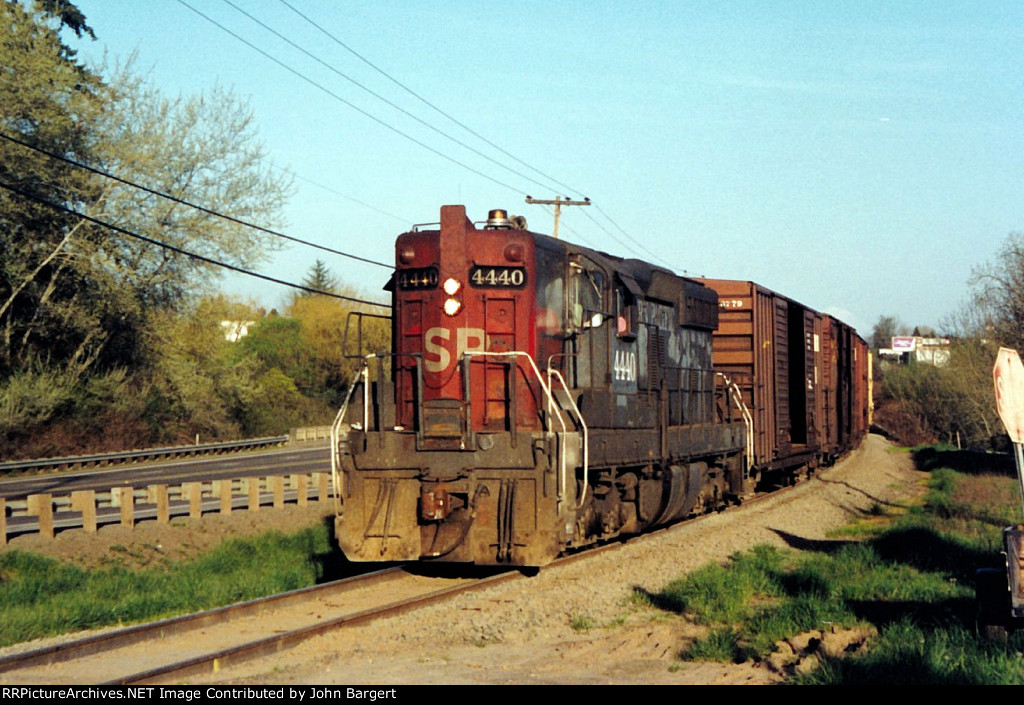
[{"x": 320, "y": 278}]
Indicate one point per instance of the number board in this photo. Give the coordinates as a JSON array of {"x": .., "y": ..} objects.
[
  {"x": 498, "y": 277},
  {"x": 425, "y": 278}
]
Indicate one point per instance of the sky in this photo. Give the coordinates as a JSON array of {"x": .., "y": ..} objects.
[{"x": 859, "y": 157}]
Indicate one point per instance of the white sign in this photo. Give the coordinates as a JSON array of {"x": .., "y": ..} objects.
[{"x": 1008, "y": 376}]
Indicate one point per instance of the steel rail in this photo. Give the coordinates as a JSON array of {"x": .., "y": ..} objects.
[
  {"x": 214, "y": 660},
  {"x": 125, "y": 636}
]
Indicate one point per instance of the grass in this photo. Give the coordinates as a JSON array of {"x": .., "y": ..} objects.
[
  {"x": 910, "y": 578},
  {"x": 581, "y": 622},
  {"x": 41, "y": 597}
]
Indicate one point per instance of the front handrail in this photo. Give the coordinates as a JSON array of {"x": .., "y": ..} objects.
[
  {"x": 562, "y": 480},
  {"x": 336, "y": 476},
  {"x": 553, "y": 373},
  {"x": 553, "y": 414}
]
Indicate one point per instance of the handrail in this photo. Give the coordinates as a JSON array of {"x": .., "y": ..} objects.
[
  {"x": 363, "y": 374},
  {"x": 562, "y": 482},
  {"x": 336, "y": 476},
  {"x": 554, "y": 411},
  {"x": 748, "y": 419},
  {"x": 583, "y": 424}
]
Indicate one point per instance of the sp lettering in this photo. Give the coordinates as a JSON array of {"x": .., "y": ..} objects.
[{"x": 441, "y": 350}]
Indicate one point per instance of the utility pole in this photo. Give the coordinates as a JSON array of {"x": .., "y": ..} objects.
[{"x": 557, "y": 203}]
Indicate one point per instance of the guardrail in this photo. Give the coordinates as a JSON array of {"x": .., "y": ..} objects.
[
  {"x": 310, "y": 433},
  {"x": 77, "y": 461},
  {"x": 88, "y": 509}
]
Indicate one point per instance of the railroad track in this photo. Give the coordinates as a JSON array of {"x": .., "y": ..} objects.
[{"x": 204, "y": 643}]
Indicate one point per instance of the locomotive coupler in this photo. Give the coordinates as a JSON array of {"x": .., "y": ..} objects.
[{"x": 435, "y": 504}]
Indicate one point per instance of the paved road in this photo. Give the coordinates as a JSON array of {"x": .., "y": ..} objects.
[{"x": 305, "y": 458}]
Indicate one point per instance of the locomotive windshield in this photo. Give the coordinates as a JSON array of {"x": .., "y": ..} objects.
[{"x": 585, "y": 304}]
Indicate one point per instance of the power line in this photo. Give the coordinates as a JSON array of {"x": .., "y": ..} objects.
[
  {"x": 620, "y": 229},
  {"x": 422, "y": 99},
  {"x": 625, "y": 245},
  {"x": 347, "y": 197},
  {"x": 350, "y": 104},
  {"x": 383, "y": 99},
  {"x": 181, "y": 251},
  {"x": 189, "y": 204},
  {"x": 392, "y": 128}
]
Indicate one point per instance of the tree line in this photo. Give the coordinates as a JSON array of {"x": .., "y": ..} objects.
[
  {"x": 955, "y": 403},
  {"x": 112, "y": 338}
]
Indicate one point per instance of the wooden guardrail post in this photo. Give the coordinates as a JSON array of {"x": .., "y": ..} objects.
[
  {"x": 124, "y": 497},
  {"x": 193, "y": 492},
  {"x": 223, "y": 489},
  {"x": 254, "y": 493},
  {"x": 276, "y": 483},
  {"x": 84, "y": 501},
  {"x": 158, "y": 495},
  {"x": 322, "y": 479},
  {"x": 41, "y": 507},
  {"x": 3, "y": 521},
  {"x": 300, "y": 487}
]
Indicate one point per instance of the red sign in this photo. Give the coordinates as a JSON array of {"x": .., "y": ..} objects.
[{"x": 1008, "y": 375}]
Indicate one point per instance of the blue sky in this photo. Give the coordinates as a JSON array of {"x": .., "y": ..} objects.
[{"x": 860, "y": 157}]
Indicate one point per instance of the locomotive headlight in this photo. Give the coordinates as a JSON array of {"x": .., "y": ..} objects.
[
  {"x": 452, "y": 306},
  {"x": 451, "y": 286}
]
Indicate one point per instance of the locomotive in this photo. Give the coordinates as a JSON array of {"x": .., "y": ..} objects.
[{"x": 540, "y": 397}]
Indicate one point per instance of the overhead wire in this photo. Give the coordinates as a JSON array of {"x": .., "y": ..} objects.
[
  {"x": 626, "y": 234},
  {"x": 336, "y": 192},
  {"x": 407, "y": 113},
  {"x": 382, "y": 98},
  {"x": 453, "y": 119},
  {"x": 624, "y": 244},
  {"x": 182, "y": 251},
  {"x": 426, "y": 102},
  {"x": 189, "y": 204},
  {"x": 386, "y": 125},
  {"x": 337, "y": 97}
]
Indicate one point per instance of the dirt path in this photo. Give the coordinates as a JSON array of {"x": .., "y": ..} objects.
[{"x": 574, "y": 624}]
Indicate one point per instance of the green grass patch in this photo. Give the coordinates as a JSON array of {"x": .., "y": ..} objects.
[
  {"x": 911, "y": 578},
  {"x": 581, "y": 622},
  {"x": 911, "y": 653},
  {"x": 41, "y": 597}
]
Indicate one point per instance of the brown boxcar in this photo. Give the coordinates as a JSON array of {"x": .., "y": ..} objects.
[
  {"x": 804, "y": 376},
  {"x": 770, "y": 347},
  {"x": 863, "y": 395}
]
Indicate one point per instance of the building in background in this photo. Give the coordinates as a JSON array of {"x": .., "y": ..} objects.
[{"x": 928, "y": 351}]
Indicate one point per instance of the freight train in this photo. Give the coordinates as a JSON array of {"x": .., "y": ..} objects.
[{"x": 540, "y": 397}]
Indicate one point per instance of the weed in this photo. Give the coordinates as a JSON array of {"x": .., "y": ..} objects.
[
  {"x": 911, "y": 579},
  {"x": 42, "y": 597},
  {"x": 638, "y": 599},
  {"x": 581, "y": 622},
  {"x": 720, "y": 644}
]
